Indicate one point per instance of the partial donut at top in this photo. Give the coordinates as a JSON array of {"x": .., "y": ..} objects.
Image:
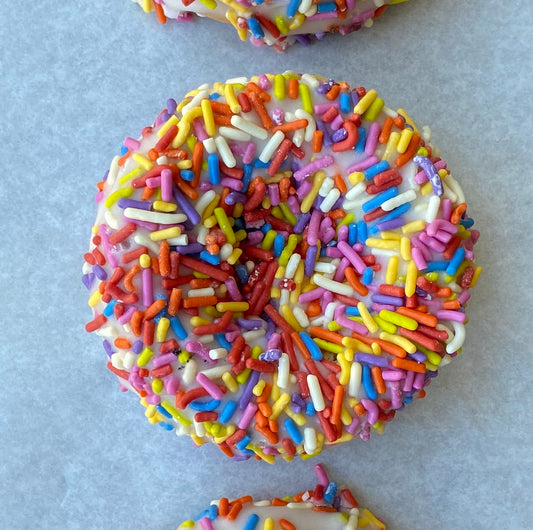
[
  {"x": 279, "y": 23},
  {"x": 278, "y": 264}
]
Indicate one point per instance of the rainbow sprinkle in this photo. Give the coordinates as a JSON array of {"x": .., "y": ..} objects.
[{"x": 279, "y": 264}]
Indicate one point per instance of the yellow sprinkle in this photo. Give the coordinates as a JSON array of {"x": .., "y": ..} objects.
[
  {"x": 161, "y": 330},
  {"x": 116, "y": 195},
  {"x": 230, "y": 382},
  {"x": 297, "y": 21},
  {"x": 232, "y": 306},
  {"x": 348, "y": 354},
  {"x": 211, "y": 311},
  {"x": 166, "y": 233},
  {"x": 199, "y": 321},
  {"x": 225, "y": 226},
  {"x": 370, "y": 516},
  {"x": 144, "y": 357},
  {"x": 392, "y": 270},
  {"x": 132, "y": 174},
  {"x": 269, "y": 459},
  {"x": 410, "y": 278},
  {"x": 349, "y": 218},
  {"x": 376, "y": 348},
  {"x": 356, "y": 177},
  {"x": 407, "y": 119},
  {"x": 386, "y": 244},
  {"x": 173, "y": 120},
  {"x": 274, "y": 391},
  {"x": 191, "y": 142},
  {"x": 266, "y": 203},
  {"x": 281, "y": 24},
  {"x": 384, "y": 325},
  {"x": 237, "y": 210},
  {"x": 405, "y": 248},
  {"x": 150, "y": 411},
  {"x": 287, "y": 213},
  {"x": 277, "y": 213},
  {"x": 405, "y": 138},
  {"x": 391, "y": 145},
  {"x": 243, "y": 376},
  {"x": 404, "y": 343},
  {"x": 184, "y": 164},
  {"x": 365, "y": 102},
  {"x": 398, "y": 320},
  {"x": 240, "y": 235},
  {"x": 414, "y": 226},
  {"x": 298, "y": 279},
  {"x": 299, "y": 419},
  {"x": 184, "y": 126},
  {"x": 477, "y": 273},
  {"x": 290, "y": 318},
  {"x": 268, "y": 240},
  {"x": 432, "y": 276},
  {"x": 224, "y": 434},
  {"x": 329, "y": 346},
  {"x": 288, "y": 250},
  {"x": 258, "y": 388},
  {"x": 305, "y": 94},
  {"x": 311, "y": 196},
  {"x": 235, "y": 255},
  {"x": 231, "y": 15},
  {"x": 275, "y": 292},
  {"x": 142, "y": 161},
  {"x": 157, "y": 386},
  {"x": 95, "y": 298},
  {"x": 145, "y": 261},
  {"x": 176, "y": 414},
  {"x": 279, "y": 405},
  {"x": 368, "y": 321},
  {"x": 388, "y": 234},
  {"x": 373, "y": 111},
  {"x": 210, "y": 4},
  {"x": 229, "y": 94},
  {"x": 279, "y": 86},
  {"x": 345, "y": 369},
  {"x": 184, "y": 356},
  {"x": 269, "y": 522},
  {"x": 210, "y": 221},
  {"x": 426, "y": 189},
  {"x": 162, "y": 206},
  {"x": 146, "y": 6}
]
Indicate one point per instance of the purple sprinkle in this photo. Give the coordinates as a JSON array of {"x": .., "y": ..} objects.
[
  {"x": 339, "y": 135},
  {"x": 250, "y": 324},
  {"x": 297, "y": 399},
  {"x": 137, "y": 346},
  {"x": 193, "y": 248},
  {"x": 130, "y": 203},
  {"x": 387, "y": 300},
  {"x": 432, "y": 174},
  {"x": 171, "y": 106},
  {"x": 241, "y": 458},
  {"x": 418, "y": 356},
  {"x": 296, "y": 408},
  {"x": 186, "y": 206},
  {"x": 246, "y": 395},
  {"x": 326, "y": 138},
  {"x": 234, "y": 197},
  {"x": 374, "y": 360},
  {"x": 271, "y": 328},
  {"x": 108, "y": 348},
  {"x": 310, "y": 260},
  {"x": 391, "y": 225},
  {"x": 99, "y": 272},
  {"x": 88, "y": 279},
  {"x": 270, "y": 355}
]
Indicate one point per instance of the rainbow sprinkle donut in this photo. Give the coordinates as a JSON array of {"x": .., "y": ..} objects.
[
  {"x": 275, "y": 22},
  {"x": 327, "y": 506},
  {"x": 278, "y": 264}
]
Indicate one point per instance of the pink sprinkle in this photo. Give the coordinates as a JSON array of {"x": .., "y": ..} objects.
[
  {"x": 247, "y": 415},
  {"x": 337, "y": 123},
  {"x": 131, "y": 143},
  {"x": 354, "y": 258},
  {"x": 416, "y": 243},
  {"x": 264, "y": 82},
  {"x": 108, "y": 250},
  {"x": 363, "y": 164},
  {"x": 233, "y": 289},
  {"x": 199, "y": 130},
  {"x": 172, "y": 385},
  {"x": 273, "y": 193},
  {"x": 352, "y": 324},
  {"x": 153, "y": 182},
  {"x": 439, "y": 225},
  {"x": 339, "y": 273},
  {"x": 408, "y": 383},
  {"x": 162, "y": 360},
  {"x": 209, "y": 386},
  {"x": 249, "y": 153},
  {"x": 324, "y": 107},
  {"x": 326, "y": 300},
  {"x": 166, "y": 185},
  {"x": 273, "y": 341},
  {"x": 447, "y": 314},
  {"x": 206, "y": 523},
  {"x": 313, "y": 167},
  {"x": 395, "y": 392},
  {"x": 126, "y": 316},
  {"x": 321, "y": 474},
  {"x": 446, "y": 208},
  {"x": 309, "y": 296},
  {"x": 294, "y": 205},
  {"x": 418, "y": 258},
  {"x": 372, "y": 410},
  {"x": 372, "y": 138},
  {"x": 314, "y": 225},
  {"x": 418, "y": 382},
  {"x": 147, "y": 287}
]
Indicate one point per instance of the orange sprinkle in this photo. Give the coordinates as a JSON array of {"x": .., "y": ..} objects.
[
  {"x": 265, "y": 394},
  {"x": 128, "y": 279},
  {"x": 123, "y": 158},
  {"x": 154, "y": 263},
  {"x": 457, "y": 213},
  {"x": 399, "y": 122},
  {"x": 243, "y": 500},
  {"x": 278, "y": 502},
  {"x": 451, "y": 304},
  {"x": 333, "y": 92},
  {"x": 220, "y": 108},
  {"x": 199, "y": 301},
  {"x": 444, "y": 292},
  {"x": 260, "y": 419},
  {"x": 152, "y": 311},
  {"x": 201, "y": 283},
  {"x": 291, "y": 126},
  {"x": 337, "y": 214},
  {"x": 255, "y": 89},
  {"x": 359, "y": 409},
  {"x": 385, "y": 346},
  {"x": 325, "y": 334},
  {"x": 339, "y": 182},
  {"x": 316, "y": 142},
  {"x": 164, "y": 259},
  {"x": 223, "y": 507},
  {"x": 324, "y": 509},
  {"x": 147, "y": 193},
  {"x": 413, "y": 366},
  {"x": 419, "y": 316},
  {"x": 286, "y": 525},
  {"x": 377, "y": 378},
  {"x": 385, "y": 132},
  {"x": 298, "y": 342},
  {"x": 122, "y": 344},
  {"x": 313, "y": 309},
  {"x": 354, "y": 281},
  {"x": 409, "y": 152},
  {"x": 160, "y": 13},
  {"x": 185, "y": 188},
  {"x": 174, "y": 301},
  {"x": 336, "y": 408},
  {"x": 197, "y": 158},
  {"x": 222, "y": 120},
  {"x": 422, "y": 394},
  {"x": 265, "y": 408},
  {"x": 273, "y": 425},
  {"x": 226, "y": 450},
  {"x": 293, "y": 88},
  {"x": 267, "y": 433},
  {"x": 136, "y": 323},
  {"x": 235, "y": 509},
  {"x": 260, "y": 109}
]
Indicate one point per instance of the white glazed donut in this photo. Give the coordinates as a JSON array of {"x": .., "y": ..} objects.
[
  {"x": 279, "y": 264},
  {"x": 326, "y": 507},
  {"x": 276, "y": 22}
]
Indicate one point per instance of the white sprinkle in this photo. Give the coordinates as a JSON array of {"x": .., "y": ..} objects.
[
  {"x": 205, "y": 291},
  {"x": 237, "y": 81},
  {"x": 210, "y": 145},
  {"x": 327, "y": 268},
  {"x": 195, "y": 101},
  {"x": 199, "y": 428},
  {"x": 180, "y": 240},
  {"x": 330, "y": 199},
  {"x": 326, "y": 187},
  {"x": 206, "y": 339},
  {"x": 249, "y": 127},
  {"x": 310, "y": 444},
  {"x": 129, "y": 359},
  {"x": 113, "y": 171},
  {"x": 316, "y": 392},
  {"x": 144, "y": 241},
  {"x": 301, "y": 317},
  {"x": 292, "y": 265},
  {"x": 283, "y": 371},
  {"x": 154, "y": 217},
  {"x": 310, "y": 80},
  {"x": 458, "y": 340},
  {"x": 216, "y": 371},
  {"x": 301, "y": 114},
  {"x": 225, "y": 251},
  {"x": 234, "y": 134},
  {"x": 355, "y": 191},
  {"x": 272, "y": 144},
  {"x": 225, "y": 151},
  {"x": 432, "y": 208},
  {"x": 455, "y": 187},
  {"x": 402, "y": 198},
  {"x": 355, "y": 379},
  {"x": 332, "y": 285},
  {"x": 218, "y": 353},
  {"x": 255, "y": 334},
  {"x": 204, "y": 201},
  {"x": 111, "y": 220}
]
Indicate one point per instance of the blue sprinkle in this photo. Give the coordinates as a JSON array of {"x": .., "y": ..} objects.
[
  {"x": 352, "y": 234},
  {"x": 394, "y": 214},
  {"x": 166, "y": 426},
  {"x": 326, "y": 7},
  {"x": 187, "y": 174},
  {"x": 108, "y": 311},
  {"x": 205, "y": 513},
  {"x": 255, "y": 28},
  {"x": 266, "y": 227},
  {"x": 214, "y": 96},
  {"x": 222, "y": 341},
  {"x": 259, "y": 164},
  {"x": 241, "y": 444},
  {"x": 205, "y": 406},
  {"x": 242, "y": 273},
  {"x": 247, "y": 177},
  {"x": 367, "y": 383},
  {"x": 178, "y": 329},
  {"x": 362, "y": 232},
  {"x": 279, "y": 245},
  {"x": 214, "y": 259},
  {"x": 330, "y": 492},
  {"x": 293, "y": 431},
  {"x": 123, "y": 150},
  {"x": 407, "y": 399},
  {"x": 213, "y": 512},
  {"x": 227, "y": 412},
  {"x": 376, "y": 169},
  {"x": 361, "y": 140},
  {"x": 436, "y": 266},
  {"x": 252, "y": 522},
  {"x": 456, "y": 261},
  {"x": 311, "y": 345},
  {"x": 378, "y": 200},
  {"x": 214, "y": 170},
  {"x": 467, "y": 223},
  {"x": 368, "y": 275},
  {"x": 292, "y": 8},
  {"x": 310, "y": 409},
  {"x": 163, "y": 411},
  {"x": 345, "y": 103},
  {"x": 352, "y": 312}
]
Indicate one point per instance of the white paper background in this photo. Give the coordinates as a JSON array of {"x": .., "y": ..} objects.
[{"x": 76, "y": 78}]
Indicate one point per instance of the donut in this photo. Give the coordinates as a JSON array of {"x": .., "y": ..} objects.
[
  {"x": 279, "y": 264},
  {"x": 274, "y": 22},
  {"x": 326, "y": 507}
]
